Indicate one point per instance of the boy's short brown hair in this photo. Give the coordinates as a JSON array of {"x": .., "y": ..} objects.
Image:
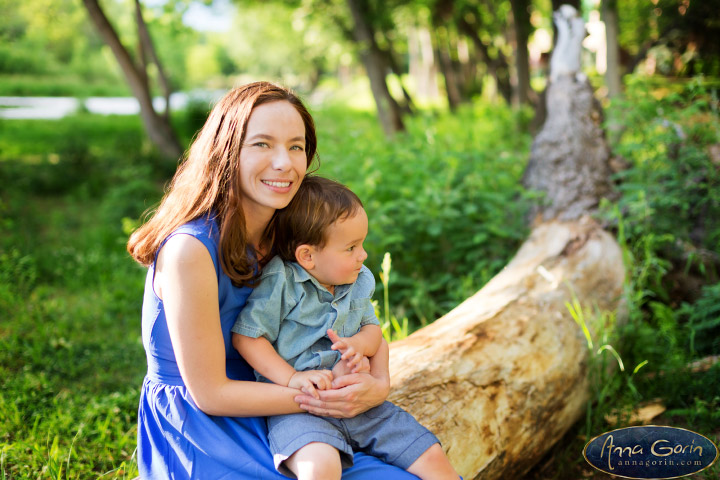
[{"x": 318, "y": 203}]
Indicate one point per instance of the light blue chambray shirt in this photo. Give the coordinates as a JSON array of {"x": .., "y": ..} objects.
[{"x": 293, "y": 311}]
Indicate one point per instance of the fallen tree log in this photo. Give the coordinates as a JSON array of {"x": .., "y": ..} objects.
[{"x": 503, "y": 376}]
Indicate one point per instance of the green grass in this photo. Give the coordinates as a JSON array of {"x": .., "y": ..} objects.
[
  {"x": 71, "y": 359},
  {"x": 70, "y": 355}
]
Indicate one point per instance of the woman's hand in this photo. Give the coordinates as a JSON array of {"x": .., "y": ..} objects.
[
  {"x": 355, "y": 393},
  {"x": 351, "y": 395}
]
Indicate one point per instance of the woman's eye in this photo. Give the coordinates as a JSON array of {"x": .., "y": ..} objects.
[
  {"x": 297, "y": 147},
  {"x": 260, "y": 144}
]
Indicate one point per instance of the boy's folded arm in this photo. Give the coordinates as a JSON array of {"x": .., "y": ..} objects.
[
  {"x": 368, "y": 339},
  {"x": 261, "y": 355}
]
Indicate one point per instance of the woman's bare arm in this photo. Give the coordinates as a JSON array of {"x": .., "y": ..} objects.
[{"x": 187, "y": 283}]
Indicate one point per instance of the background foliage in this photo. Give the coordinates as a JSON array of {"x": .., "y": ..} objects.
[{"x": 443, "y": 197}]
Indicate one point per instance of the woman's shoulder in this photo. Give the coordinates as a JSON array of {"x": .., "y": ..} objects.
[
  {"x": 201, "y": 227},
  {"x": 192, "y": 242}
]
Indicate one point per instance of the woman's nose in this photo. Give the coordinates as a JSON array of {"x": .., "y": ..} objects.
[{"x": 281, "y": 160}]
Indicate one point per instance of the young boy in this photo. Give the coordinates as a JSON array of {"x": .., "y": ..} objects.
[{"x": 311, "y": 320}]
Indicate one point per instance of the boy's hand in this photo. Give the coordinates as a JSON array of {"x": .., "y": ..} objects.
[
  {"x": 351, "y": 354},
  {"x": 341, "y": 368},
  {"x": 311, "y": 381}
]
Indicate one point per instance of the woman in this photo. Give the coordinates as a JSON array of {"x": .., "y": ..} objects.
[{"x": 201, "y": 411}]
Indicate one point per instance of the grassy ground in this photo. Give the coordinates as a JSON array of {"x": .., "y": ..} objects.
[{"x": 71, "y": 360}]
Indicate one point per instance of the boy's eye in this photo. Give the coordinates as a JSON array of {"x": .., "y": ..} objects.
[{"x": 351, "y": 248}]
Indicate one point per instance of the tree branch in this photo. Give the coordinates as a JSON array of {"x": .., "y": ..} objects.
[{"x": 148, "y": 49}]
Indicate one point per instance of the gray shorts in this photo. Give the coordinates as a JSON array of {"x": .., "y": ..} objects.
[{"x": 386, "y": 431}]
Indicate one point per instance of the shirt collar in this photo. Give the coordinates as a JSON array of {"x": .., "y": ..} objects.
[{"x": 301, "y": 275}]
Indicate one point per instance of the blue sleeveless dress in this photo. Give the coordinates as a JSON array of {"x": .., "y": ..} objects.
[{"x": 176, "y": 440}]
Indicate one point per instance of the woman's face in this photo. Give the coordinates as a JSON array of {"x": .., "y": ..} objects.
[{"x": 272, "y": 159}]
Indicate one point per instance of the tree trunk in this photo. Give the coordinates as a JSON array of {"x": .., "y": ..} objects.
[
  {"x": 613, "y": 77},
  {"x": 497, "y": 67},
  {"x": 452, "y": 89},
  {"x": 422, "y": 63},
  {"x": 158, "y": 128},
  {"x": 408, "y": 105},
  {"x": 521, "y": 18},
  {"x": 147, "y": 48},
  {"x": 556, "y": 4},
  {"x": 371, "y": 57},
  {"x": 570, "y": 158},
  {"x": 503, "y": 376}
]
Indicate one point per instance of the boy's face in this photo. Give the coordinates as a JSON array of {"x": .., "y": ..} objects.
[{"x": 340, "y": 260}]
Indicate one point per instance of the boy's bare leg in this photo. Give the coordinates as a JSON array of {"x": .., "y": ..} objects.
[
  {"x": 433, "y": 464},
  {"x": 316, "y": 461}
]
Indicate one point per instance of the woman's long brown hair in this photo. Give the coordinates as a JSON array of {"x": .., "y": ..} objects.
[{"x": 208, "y": 181}]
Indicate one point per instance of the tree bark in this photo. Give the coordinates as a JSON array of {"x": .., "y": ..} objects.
[
  {"x": 158, "y": 128},
  {"x": 497, "y": 67},
  {"x": 147, "y": 48},
  {"x": 408, "y": 105},
  {"x": 422, "y": 63},
  {"x": 503, "y": 376},
  {"x": 521, "y": 17},
  {"x": 452, "y": 89},
  {"x": 613, "y": 76},
  {"x": 569, "y": 158},
  {"x": 389, "y": 111}
]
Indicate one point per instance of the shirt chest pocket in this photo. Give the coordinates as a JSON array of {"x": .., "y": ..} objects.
[
  {"x": 350, "y": 321},
  {"x": 359, "y": 304}
]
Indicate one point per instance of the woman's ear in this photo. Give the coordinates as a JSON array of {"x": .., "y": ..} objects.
[{"x": 304, "y": 256}]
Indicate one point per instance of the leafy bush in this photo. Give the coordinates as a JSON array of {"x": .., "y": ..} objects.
[
  {"x": 668, "y": 213},
  {"x": 15, "y": 58},
  {"x": 444, "y": 199},
  {"x": 668, "y": 222}
]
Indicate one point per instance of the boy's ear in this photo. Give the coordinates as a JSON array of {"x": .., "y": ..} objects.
[{"x": 304, "y": 256}]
